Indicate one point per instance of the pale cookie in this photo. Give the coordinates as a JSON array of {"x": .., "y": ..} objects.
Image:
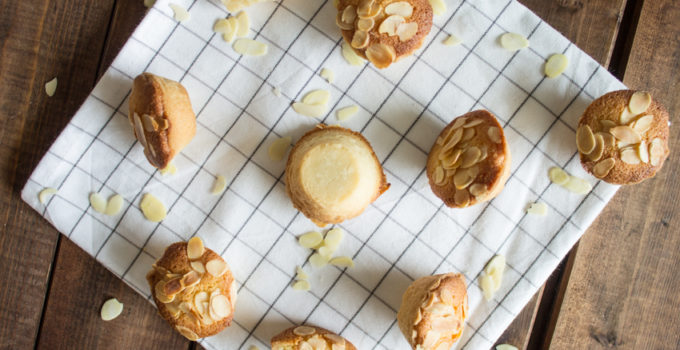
[
  {"x": 433, "y": 311},
  {"x": 161, "y": 117},
  {"x": 333, "y": 174},
  {"x": 622, "y": 137},
  {"x": 470, "y": 161},
  {"x": 194, "y": 289},
  {"x": 309, "y": 338},
  {"x": 384, "y": 31}
]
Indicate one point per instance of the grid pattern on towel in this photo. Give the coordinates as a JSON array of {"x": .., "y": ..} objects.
[{"x": 407, "y": 233}]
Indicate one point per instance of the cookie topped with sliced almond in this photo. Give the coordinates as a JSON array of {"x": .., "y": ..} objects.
[
  {"x": 309, "y": 338},
  {"x": 622, "y": 137},
  {"x": 470, "y": 161},
  {"x": 383, "y": 31},
  {"x": 194, "y": 289}
]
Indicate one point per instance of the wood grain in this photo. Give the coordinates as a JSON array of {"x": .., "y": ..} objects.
[
  {"x": 624, "y": 286},
  {"x": 80, "y": 284},
  {"x": 40, "y": 40}
]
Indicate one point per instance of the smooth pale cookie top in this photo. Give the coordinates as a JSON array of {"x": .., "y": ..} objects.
[
  {"x": 470, "y": 161},
  {"x": 383, "y": 31},
  {"x": 333, "y": 175},
  {"x": 622, "y": 137},
  {"x": 161, "y": 116},
  {"x": 433, "y": 311},
  {"x": 309, "y": 338},
  {"x": 194, "y": 289}
]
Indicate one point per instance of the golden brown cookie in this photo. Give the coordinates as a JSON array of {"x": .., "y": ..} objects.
[
  {"x": 161, "y": 116},
  {"x": 384, "y": 31},
  {"x": 310, "y": 338},
  {"x": 433, "y": 311},
  {"x": 194, "y": 289},
  {"x": 333, "y": 174},
  {"x": 470, "y": 162},
  {"x": 622, "y": 137}
]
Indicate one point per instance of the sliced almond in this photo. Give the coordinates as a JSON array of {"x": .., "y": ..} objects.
[
  {"x": 406, "y": 31},
  {"x": 486, "y": 284},
  {"x": 111, "y": 309},
  {"x": 347, "y": 112},
  {"x": 324, "y": 251},
  {"x": 195, "y": 248},
  {"x": 629, "y": 155},
  {"x": 190, "y": 278},
  {"x": 513, "y": 41},
  {"x": 318, "y": 260},
  {"x": 198, "y": 267},
  {"x": 342, "y": 261},
  {"x": 452, "y": 159},
  {"x": 349, "y": 14},
  {"x": 585, "y": 140},
  {"x": 149, "y": 123},
  {"x": 390, "y": 24},
  {"x": 51, "y": 87},
  {"x": 365, "y": 24},
  {"x": 304, "y": 331},
  {"x": 46, "y": 192},
  {"x": 401, "y": 8},
  {"x": 216, "y": 267},
  {"x": 360, "y": 39},
  {"x": 220, "y": 306},
  {"x": 495, "y": 134},
  {"x": 243, "y": 24},
  {"x": 478, "y": 190},
  {"x": 317, "y": 97},
  {"x": 470, "y": 156},
  {"x": 219, "y": 185},
  {"x": 438, "y": 7},
  {"x": 607, "y": 124},
  {"x": 643, "y": 151},
  {"x": 314, "y": 111},
  {"x": 351, "y": 56},
  {"x": 555, "y": 65},
  {"x": 169, "y": 169},
  {"x": 179, "y": 13},
  {"x": 656, "y": 152},
  {"x": 495, "y": 265},
  {"x": 97, "y": 202},
  {"x": 335, "y": 339},
  {"x": 597, "y": 152},
  {"x": 199, "y": 302},
  {"x": 300, "y": 274},
  {"x": 439, "y": 176},
  {"x": 473, "y": 123},
  {"x": 139, "y": 130},
  {"x": 230, "y": 34},
  {"x": 452, "y": 40},
  {"x": 537, "y": 209},
  {"x": 639, "y": 102},
  {"x": 310, "y": 239},
  {"x": 249, "y": 47},
  {"x": 342, "y": 24},
  {"x": 159, "y": 293},
  {"x": 643, "y": 124},
  {"x": 468, "y": 134},
  {"x": 473, "y": 171},
  {"x": 608, "y": 139},
  {"x": 114, "y": 205},
  {"x": 368, "y": 9},
  {"x": 453, "y": 141},
  {"x": 462, "y": 198},
  {"x": 603, "y": 168},
  {"x": 462, "y": 180},
  {"x": 277, "y": 150},
  {"x": 222, "y": 26},
  {"x": 328, "y": 74},
  {"x": 333, "y": 238},
  {"x": 578, "y": 185},
  {"x": 186, "y": 332},
  {"x": 626, "y": 116},
  {"x": 172, "y": 287},
  {"x": 301, "y": 285},
  {"x": 381, "y": 55},
  {"x": 625, "y": 134}
]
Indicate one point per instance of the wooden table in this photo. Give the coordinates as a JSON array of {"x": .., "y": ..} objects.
[{"x": 618, "y": 288}]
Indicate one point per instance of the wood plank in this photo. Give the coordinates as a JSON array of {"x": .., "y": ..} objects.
[
  {"x": 623, "y": 291},
  {"x": 593, "y": 26},
  {"x": 36, "y": 46},
  {"x": 80, "y": 284}
]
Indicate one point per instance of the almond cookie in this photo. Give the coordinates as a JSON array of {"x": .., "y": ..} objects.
[
  {"x": 162, "y": 117},
  {"x": 383, "y": 31},
  {"x": 433, "y": 311},
  {"x": 194, "y": 289},
  {"x": 333, "y": 174},
  {"x": 470, "y": 162},
  {"x": 310, "y": 338},
  {"x": 622, "y": 137}
]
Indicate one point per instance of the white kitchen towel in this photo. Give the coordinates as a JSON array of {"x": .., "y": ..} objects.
[{"x": 407, "y": 233}]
